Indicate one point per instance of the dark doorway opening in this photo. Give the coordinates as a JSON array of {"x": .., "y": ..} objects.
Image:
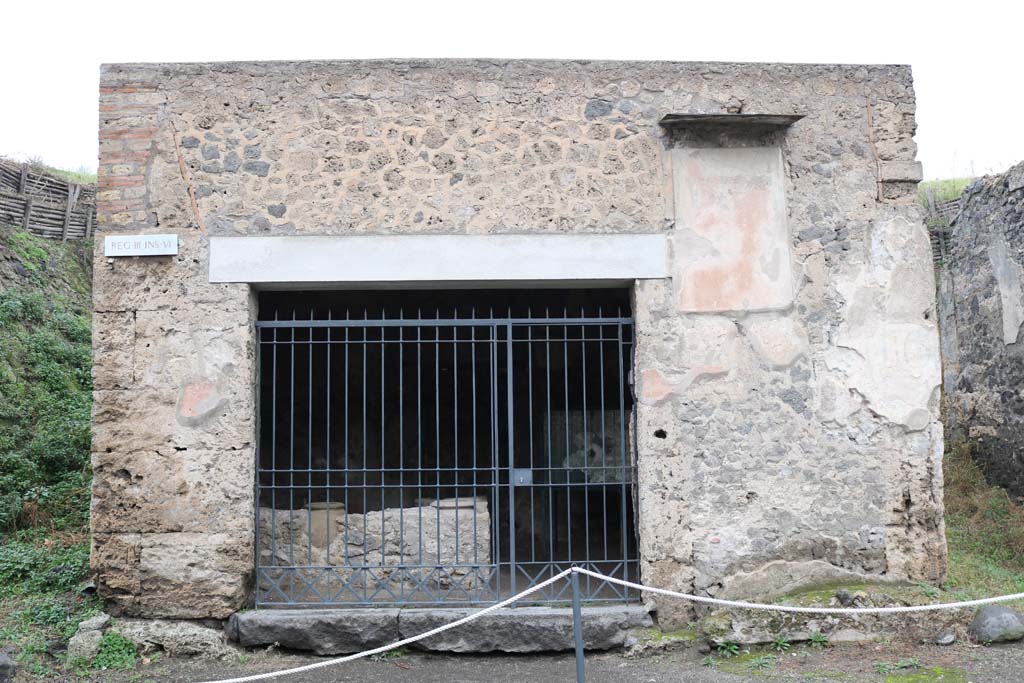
[{"x": 443, "y": 447}]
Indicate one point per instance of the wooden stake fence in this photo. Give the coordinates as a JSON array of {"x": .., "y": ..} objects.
[{"x": 45, "y": 205}]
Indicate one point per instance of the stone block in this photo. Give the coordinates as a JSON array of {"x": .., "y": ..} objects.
[
  {"x": 194, "y": 575},
  {"x": 96, "y": 623},
  {"x": 325, "y": 632},
  {"x": 996, "y": 624},
  {"x": 126, "y": 421},
  {"x": 900, "y": 171},
  {"x": 447, "y": 539},
  {"x": 115, "y": 559},
  {"x": 84, "y": 646},
  {"x": 159, "y": 282},
  {"x": 168, "y": 490},
  {"x": 215, "y": 344},
  {"x": 7, "y": 668},
  {"x": 175, "y": 638},
  {"x": 113, "y": 343},
  {"x": 523, "y": 629}
]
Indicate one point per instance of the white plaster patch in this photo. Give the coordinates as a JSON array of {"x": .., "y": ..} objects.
[
  {"x": 1009, "y": 278},
  {"x": 708, "y": 349},
  {"x": 731, "y": 244},
  {"x": 887, "y": 324},
  {"x": 778, "y": 340}
]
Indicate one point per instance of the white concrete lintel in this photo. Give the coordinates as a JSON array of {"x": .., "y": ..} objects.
[{"x": 360, "y": 260}]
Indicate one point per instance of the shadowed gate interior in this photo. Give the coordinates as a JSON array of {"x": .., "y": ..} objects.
[{"x": 443, "y": 447}]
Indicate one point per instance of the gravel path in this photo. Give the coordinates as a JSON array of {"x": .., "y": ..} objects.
[{"x": 849, "y": 664}]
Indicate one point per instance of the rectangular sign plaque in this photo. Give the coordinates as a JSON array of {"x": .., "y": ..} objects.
[{"x": 140, "y": 245}]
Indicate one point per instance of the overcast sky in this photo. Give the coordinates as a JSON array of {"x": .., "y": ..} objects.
[{"x": 966, "y": 60}]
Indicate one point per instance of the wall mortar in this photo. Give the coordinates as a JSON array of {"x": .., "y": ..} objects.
[{"x": 800, "y": 443}]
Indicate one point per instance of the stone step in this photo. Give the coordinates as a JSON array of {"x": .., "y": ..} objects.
[{"x": 522, "y": 629}]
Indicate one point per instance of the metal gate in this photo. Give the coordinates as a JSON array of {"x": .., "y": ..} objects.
[{"x": 450, "y": 459}]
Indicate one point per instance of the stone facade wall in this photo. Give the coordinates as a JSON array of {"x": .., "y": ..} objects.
[
  {"x": 982, "y": 316},
  {"x": 782, "y": 439}
]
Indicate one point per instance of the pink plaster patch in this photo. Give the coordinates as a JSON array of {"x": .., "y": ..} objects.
[
  {"x": 654, "y": 387},
  {"x": 198, "y": 401}
]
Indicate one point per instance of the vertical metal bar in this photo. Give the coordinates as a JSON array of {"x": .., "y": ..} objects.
[
  {"x": 492, "y": 353},
  {"x": 455, "y": 428},
  {"x": 363, "y": 435},
  {"x": 586, "y": 447},
  {"x": 552, "y": 529},
  {"x": 472, "y": 373},
  {"x": 259, "y": 454},
  {"x": 328, "y": 473},
  {"x": 309, "y": 449},
  {"x": 348, "y": 473},
  {"x": 604, "y": 450},
  {"x": 437, "y": 448},
  {"x": 567, "y": 462},
  {"x": 273, "y": 456},
  {"x": 291, "y": 468},
  {"x": 622, "y": 452},
  {"x": 419, "y": 432},
  {"x": 577, "y": 628},
  {"x": 511, "y": 457},
  {"x": 401, "y": 448},
  {"x": 383, "y": 453},
  {"x": 529, "y": 422}
]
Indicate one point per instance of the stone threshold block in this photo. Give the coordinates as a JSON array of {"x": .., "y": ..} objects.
[{"x": 523, "y": 629}]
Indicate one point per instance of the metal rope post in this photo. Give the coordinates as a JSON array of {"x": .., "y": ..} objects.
[{"x": 577, "y": 626}]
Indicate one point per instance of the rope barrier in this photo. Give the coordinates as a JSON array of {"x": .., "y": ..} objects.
[
  {"x": 384, "y": 648},
  {"x": 801, "y": 610},
  {"x": 629, "y": 584}
]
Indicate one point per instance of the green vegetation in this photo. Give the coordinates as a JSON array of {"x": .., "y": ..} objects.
[
  {"x": 984, "y": 532},
  {"x": 934, "y": 674},
  {"x": 82, "y": 175},
  {"x": 116, "y": 652},
  {"x": 45, "y": 402},
  {"x": 943, "y": 190},
  {"x": 819, "y": 639},
  {"x": 901, "y": 665}
]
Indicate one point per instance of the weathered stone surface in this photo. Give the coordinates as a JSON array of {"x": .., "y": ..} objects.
[
  {"x": 175, "y": 575},
  {"x": 84, "y": 646},
  {"x": 7, "y": 668},
  {"x": 113, "y": 338},
  {"x": 444, "y": 537},
  {"x": 325, "y": 632},
  {"x": 523, "y": 629},
  {"x": 731, "y": 242},
  {"x": 997, "y": 624},
  {"x": 890, "y": 326},
  {"x": 778, "y": 340},
  {"x": 983, "y": 317},
  {"x": 783, "y": 428},
  {"x": 172, "y": 489},
  {"x": 176, "y": 638},
  {"x": 900, "y": 171},
  {"x": 96, "y": 623}
]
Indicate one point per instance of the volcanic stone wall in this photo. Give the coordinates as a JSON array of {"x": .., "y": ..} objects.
[
  {"x": 983, "y": 313},
  {"x": 787, "y": 373}
]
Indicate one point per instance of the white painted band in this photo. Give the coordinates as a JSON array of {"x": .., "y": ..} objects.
[{"x": 437, "y": 258}]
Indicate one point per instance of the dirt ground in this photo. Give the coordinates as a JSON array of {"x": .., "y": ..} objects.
[{"x": 961, "y": 663}]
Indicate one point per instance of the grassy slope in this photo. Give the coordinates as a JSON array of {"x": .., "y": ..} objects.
[
  {"x": 943, "y": 190},
  {"x": 984, "y": 530},
  {"x": 45, "y": 400}
]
